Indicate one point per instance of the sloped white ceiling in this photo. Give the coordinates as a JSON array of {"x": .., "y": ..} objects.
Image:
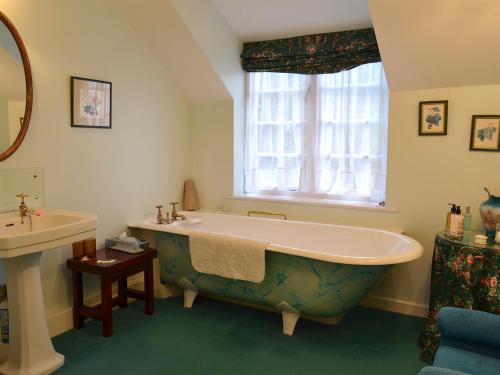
[
  {"x": 438, "y": 43},
  {"x": 254, "y": 20},
  {"x": 170, "y": 41},
  {"x": 424, "y": 43}
]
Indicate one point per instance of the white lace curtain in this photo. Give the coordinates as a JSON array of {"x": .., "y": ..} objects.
[{"x": 318, "y": 135}]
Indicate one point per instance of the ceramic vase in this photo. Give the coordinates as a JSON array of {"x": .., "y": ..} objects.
[{"x": 490, "y": 214}]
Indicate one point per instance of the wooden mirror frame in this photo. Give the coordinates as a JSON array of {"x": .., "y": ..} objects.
[{"x": 29, "y": 88}]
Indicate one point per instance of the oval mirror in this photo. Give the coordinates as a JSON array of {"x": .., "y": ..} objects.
[{"x": 16, "y": 89}]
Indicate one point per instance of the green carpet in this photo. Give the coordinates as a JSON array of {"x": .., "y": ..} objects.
[{"x": 223, "y": 338}]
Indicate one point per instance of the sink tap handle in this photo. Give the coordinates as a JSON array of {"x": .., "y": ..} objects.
[
  {"x": 22, "y": 196},
  {"x": 23, "y": 207}
]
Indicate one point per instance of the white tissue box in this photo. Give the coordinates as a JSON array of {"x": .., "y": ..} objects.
[{"x": 127, "y": 247}]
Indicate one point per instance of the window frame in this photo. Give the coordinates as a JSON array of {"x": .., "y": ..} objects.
[{"x": 314, "y": 124}]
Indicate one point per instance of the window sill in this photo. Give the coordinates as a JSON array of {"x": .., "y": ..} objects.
[{"x": 314, "y": 202}]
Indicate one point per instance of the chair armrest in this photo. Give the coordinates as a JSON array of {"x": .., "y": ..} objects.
[
  {"x": 470, "y": 325},
  {"x": 433, "y": 370}
]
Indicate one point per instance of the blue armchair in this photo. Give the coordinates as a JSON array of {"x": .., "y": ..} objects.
[{"x": 470, "y": 343}]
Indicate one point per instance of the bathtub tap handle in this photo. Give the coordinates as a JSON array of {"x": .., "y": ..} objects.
[
  {"x": 175, "y": 215},
  {"x": 174, "y": 210},
  {"x": 159, "y": 216}
]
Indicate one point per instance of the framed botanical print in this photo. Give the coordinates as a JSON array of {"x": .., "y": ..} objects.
[
  {"x": 433, "y": 117},
  {"x": 485, "y": 133},
  {"x": 90, "y": 103}
]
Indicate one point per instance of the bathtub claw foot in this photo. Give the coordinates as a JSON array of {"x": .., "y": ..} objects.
[
  {"x": 289, "y": 321},
  {"x": 290, "y": 317},
  {"x": 190, "y": 292},
  {"x": 189, "y": 297}
]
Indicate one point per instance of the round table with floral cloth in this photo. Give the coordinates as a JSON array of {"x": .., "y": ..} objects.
[{"x": 464, "y": 274}]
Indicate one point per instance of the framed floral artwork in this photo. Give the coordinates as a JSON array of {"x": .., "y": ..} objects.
[
  {"x": 433, "y": 117},
  {"x": 485, "y": 133},
  {"x": 90, "y": 103}
]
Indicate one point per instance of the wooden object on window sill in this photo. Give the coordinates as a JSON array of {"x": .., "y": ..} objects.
[{"x": 190, "y": 196}]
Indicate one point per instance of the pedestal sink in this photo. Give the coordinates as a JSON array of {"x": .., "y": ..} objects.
[{"x": 30, "y": 350}]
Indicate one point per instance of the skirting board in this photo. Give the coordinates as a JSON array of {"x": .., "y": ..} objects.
[
  {"x": 376, "y": 302},
  {"x": 63, "y": 320},
  {"x": 396, "y": 305}
]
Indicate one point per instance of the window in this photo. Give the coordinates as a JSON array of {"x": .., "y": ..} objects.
[{"x": 321, "y": 136}]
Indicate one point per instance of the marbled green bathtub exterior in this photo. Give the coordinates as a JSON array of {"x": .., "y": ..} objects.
[{"x": 313, "y": 287}]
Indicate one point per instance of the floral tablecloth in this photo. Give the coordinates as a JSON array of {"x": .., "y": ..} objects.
[{"x": 463, "y": 275}]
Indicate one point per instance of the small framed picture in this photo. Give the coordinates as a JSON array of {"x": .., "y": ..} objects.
[
  {"x": 90, "y": 103},
  {"x": 433, "y": 117},
  {"x": 485, "y": 133}
]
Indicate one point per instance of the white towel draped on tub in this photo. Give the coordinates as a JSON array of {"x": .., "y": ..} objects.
[{"x": 228, "y": 256}]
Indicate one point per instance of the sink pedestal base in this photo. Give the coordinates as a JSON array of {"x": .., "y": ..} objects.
[{"x": 30, "y": 350}]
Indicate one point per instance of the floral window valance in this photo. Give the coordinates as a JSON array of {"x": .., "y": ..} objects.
[{"x": 312, "y": 54}]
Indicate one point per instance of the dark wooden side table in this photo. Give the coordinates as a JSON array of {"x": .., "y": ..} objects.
[{"x": 125, "y": 265}]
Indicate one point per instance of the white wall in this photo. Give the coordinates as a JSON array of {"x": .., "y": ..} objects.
[
  {"x": 424, "y": 174},
  {"x": 217, "y": 40},
  {"x": 169, "y": 40},
  {"x": 222, "y": 48},
  {"x": 211, "y": 150},
  {"x": 119, "y": 174}
]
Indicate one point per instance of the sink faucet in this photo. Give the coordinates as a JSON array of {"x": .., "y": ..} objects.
[
  {"x": 175, "y": 215},
  {"x": 24, "y": 210}
]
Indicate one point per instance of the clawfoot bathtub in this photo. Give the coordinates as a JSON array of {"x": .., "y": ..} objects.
[{"x": 317, "y": 271}]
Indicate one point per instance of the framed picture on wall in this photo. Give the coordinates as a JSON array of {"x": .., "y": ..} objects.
[
  {"x": 433, "y": 117},
  {"x": 485, "y": 133},
  {"x": 90, "y": 103}
]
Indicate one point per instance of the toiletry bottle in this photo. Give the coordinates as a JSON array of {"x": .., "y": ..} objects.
[
  {"x": 448, "y": 218},
  {"x": 457, "y": 224},
  {"x": 467, "y": 219}
]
